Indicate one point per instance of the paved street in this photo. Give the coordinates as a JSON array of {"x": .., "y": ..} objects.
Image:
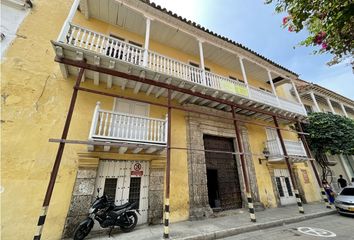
[{"x": 342, "y": 226}]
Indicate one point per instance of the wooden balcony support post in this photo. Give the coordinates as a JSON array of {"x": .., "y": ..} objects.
[
  {"x": 94, "y": 120},
  {"x": 315, "y": 102},
  {"x": 166, "y": 232},
  {"x": 59, "y": 155},
  {"x": 330, "y": 105},
  {"x": 272, "y": 85},
  {"x": 343, "y": 109},
  {"x": 66, "y": 26},
  {"x": 201, "y": 56},
  {"x": 146, "y": 42},
  {"x": 244, "y": 167},
  {"x": 288, "y": 164},
  {"x": 297, "y": 95},
  {"x": 244, "y": 74}
]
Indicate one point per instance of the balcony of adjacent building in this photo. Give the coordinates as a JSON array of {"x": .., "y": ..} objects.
[
  {"x": 215, "y": 68},
  {"x": 322, "y": 100}
]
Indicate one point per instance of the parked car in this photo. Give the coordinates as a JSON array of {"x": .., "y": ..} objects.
[{"x": 345, "y": 201}]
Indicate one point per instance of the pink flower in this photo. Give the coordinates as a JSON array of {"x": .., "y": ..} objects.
[
  {"x": 285, "y": 20},
  {"x": 324, "y": 46},
  {"x": 291, "y": 29}
]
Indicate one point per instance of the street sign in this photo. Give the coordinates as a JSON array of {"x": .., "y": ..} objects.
[
  {"x": 136, "y": 170},
  {"x": 318, "y": 232}
]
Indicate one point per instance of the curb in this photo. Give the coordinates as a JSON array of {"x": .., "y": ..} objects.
[{"x": 252, "y": 227}]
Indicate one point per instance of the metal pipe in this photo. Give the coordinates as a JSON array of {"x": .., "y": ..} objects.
[
  {"x": 309, "y": 154},
  {"x": 288, "y": 164},
  {"x": 59, "y": 155},
  {"x": 181, "y": 108},
  {"x": 166, "y": 232},
  {"x": 244, "y": 168},
  {"x": 161, "y": 84}
]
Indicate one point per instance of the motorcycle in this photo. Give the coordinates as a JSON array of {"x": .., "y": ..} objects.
[{"x": 108, "y": 215}]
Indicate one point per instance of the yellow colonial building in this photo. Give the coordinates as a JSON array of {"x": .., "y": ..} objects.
[{"x": 167, "y": 113}]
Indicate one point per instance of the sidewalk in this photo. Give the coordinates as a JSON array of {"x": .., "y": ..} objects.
[{"x": 224, "y": 224}]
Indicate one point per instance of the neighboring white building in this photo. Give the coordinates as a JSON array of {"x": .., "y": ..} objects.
[
  {"x": 12, "y": 14},
  {"x": 319, "y": 99}
]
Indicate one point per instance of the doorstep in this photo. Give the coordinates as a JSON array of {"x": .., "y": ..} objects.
[{"x": 223, "y": 224}]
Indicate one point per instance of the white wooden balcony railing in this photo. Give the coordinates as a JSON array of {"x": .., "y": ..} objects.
[
  {"x": 293, "y": 148},
  {"x": 112, "y": 47},
  {"x": 109, "y": 125}
]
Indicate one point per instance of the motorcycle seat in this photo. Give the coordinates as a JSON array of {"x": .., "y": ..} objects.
[{"x": 125, "y": 205}]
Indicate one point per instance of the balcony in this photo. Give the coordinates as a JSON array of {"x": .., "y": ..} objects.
[
  {"x": 295, "y": 150},
  {"x": 138, "y": 133},
  {"x": 133, "y": 58}
]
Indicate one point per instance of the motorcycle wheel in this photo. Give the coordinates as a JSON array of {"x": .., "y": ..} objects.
[
  {"x": 133, "y": 218},
  {"x": 81, "y": 232}
]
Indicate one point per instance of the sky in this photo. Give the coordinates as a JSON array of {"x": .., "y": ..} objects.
[{"x": 256, "y": 26}]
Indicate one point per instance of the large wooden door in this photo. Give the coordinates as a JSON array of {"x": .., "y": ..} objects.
[{"x": 221, "y": 167}]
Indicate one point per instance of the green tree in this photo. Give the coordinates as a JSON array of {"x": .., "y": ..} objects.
[
  {"x": 330, "y": 133},
  {"x": 330, "y": 24}
]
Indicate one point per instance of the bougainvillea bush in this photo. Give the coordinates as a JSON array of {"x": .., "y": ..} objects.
[{"x": 330, "y": 24}]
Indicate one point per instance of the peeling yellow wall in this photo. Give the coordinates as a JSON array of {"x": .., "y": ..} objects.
[
  {"x": 257, "y": 138},
  {"x": 35, "y": 100}
]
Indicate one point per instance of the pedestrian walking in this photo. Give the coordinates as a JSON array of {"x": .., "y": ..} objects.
[
  {"x": 330, "y": 193},
  {"x": 342, "y": 183}
]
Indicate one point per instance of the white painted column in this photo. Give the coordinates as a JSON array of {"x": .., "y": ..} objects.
[
  {"x": 343, "y": 109},
  {"x": 244, "y": 74},
  {"x": 272, "y": 85},
  {"x": 66, "y": 26},
  {"x": 201, "y": 56},
  {"x": 147, "y": 39},
  {"x": 315, "y": 102},
  {"x": 298, "y": 96},
  {"x": 330, "y": 105}
]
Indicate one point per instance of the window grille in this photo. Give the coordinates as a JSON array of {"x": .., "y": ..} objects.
[
  {"x": 134, "y": 190},
  {"x": 110, "y": 187}
]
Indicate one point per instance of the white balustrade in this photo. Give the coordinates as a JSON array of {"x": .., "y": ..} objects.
[
  {"x": 172, "y": 67},
  {"x": 112, "y": 47},
  {"x": 110, "y": 125},
  {"x": 263, "y": 96},
  {"x": 274, "y": 148},
  {"x": 291, "y": 106},
  {"x": 293, "y": 148},
  {"x": 102, "y": 44}
]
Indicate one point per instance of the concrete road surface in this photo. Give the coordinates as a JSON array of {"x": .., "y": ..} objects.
[{"x": 328, "y": 227}]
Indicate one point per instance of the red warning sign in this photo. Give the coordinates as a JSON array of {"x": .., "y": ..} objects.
[{"x": 136, "y": 170}]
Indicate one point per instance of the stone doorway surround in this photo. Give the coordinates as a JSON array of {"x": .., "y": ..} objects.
[
  {"x": 84, "y": 188},
  {"x": 197, "y": 126}
]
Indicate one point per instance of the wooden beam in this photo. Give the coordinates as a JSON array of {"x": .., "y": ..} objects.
[
  {"x": 106, "y": 148},
  {"x": 183, "y": 97},
  {"x": 151, "y": 87},
  {"x": 100, "y": 69},
  {"x": 96, "y": 75},
  {"x": 137, "y": 87},
  {"x": 110, "y": 77},
  {"x": 122, "y": 150},
  {"x": 151, "y": 150},
  {"x": 137, "y": 150}
]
